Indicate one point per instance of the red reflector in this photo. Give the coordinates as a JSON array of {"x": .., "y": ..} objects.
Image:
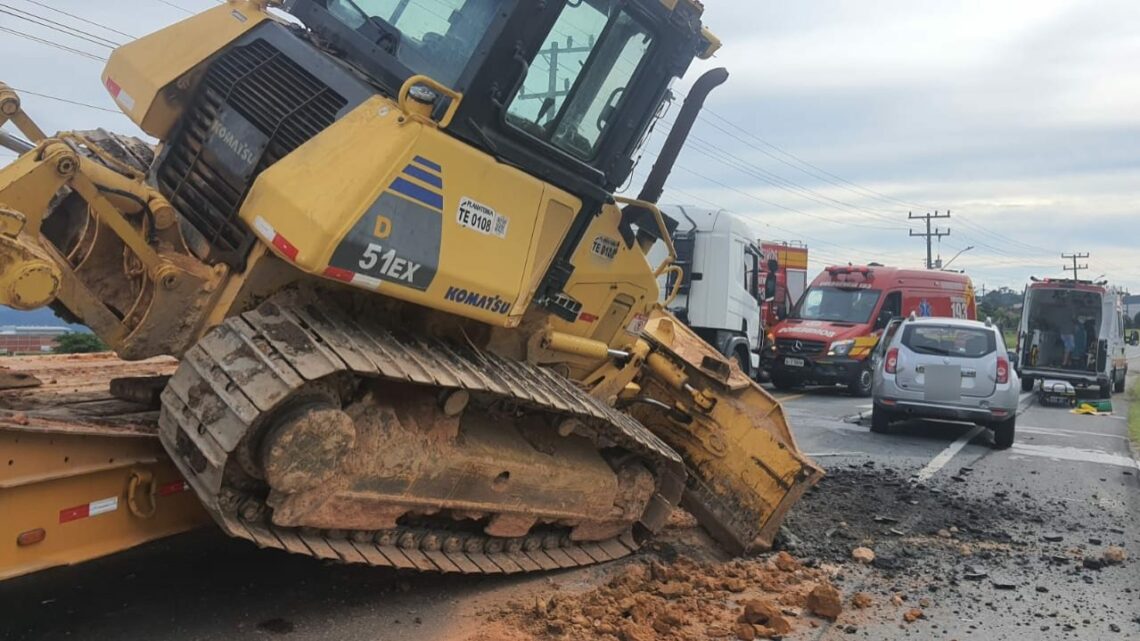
[
  {"x": 31, "y": 537},
  {"x": 892, "y": 364},
  {"x": 114, "y": 88},
  {"x": 996, "y": 412},
  {"x": 74, "y": 513},
  {"x": 339, "y": 274},
  {"x": 1002, "y": 371},
  {"x": 174, "y": 487},
  {"x": 285, "y": 247},
  {"x": 586, "y": 317}
]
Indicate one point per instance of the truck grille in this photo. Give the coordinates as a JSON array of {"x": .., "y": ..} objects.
[
  {"x": 797, "y": 346},
  {"x": 282, "y": 105}
]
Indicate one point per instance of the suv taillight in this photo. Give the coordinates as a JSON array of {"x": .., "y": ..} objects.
[
  {"x": 892, "y": 364},
  {"x": 1002, "y": 370}
]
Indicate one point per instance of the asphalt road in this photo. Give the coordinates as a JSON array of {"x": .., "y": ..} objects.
[{"x": 1069, "y": 476}]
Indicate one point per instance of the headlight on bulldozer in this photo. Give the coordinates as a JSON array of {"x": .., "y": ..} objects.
[{"x": 841, "y": 348}]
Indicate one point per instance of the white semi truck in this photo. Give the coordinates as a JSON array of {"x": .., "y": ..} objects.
[{"x": 724, "y": 281}]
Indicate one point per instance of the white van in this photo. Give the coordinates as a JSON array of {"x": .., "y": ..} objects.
[{"x": 1072, "y": 330}]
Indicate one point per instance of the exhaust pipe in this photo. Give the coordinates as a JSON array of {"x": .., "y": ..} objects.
[{"x": 655, "y": 183}]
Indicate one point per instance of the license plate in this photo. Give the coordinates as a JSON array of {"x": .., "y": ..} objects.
[{"x": 794, "y": 362}]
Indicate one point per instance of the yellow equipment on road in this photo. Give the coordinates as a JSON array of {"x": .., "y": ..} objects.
[{"x": 416, "y": 327}]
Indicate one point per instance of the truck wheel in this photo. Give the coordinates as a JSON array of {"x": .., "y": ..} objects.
[
  {"x": 1003, "y": 433},
  {"x": 861, "y": 383},
  {"x": 744, "y": 362},
  {"x": 1106, "y": 388},
  {"x": 783, "y": 381},
  {"x": 881, "y": 420},
  {"x": 1119, "y": 387},
  {"x": 1027, "y": 384}
]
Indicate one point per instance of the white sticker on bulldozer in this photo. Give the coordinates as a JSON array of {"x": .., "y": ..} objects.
[
  {"x": 481, "y": 218},
  {"x": 605, "y": 247},
  {"x": 637, "y": 324}
]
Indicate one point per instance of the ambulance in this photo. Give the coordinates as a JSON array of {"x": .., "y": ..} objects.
[{"x": 829, "y": 335}]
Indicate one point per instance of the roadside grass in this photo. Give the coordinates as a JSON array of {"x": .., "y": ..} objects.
[{"x": 1134, "y": 413}]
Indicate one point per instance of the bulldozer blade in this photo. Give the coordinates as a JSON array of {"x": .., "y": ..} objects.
[{"x": 745, "y": 469}]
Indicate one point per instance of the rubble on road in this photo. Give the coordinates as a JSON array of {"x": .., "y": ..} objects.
[{"x": 757, "y": 598}]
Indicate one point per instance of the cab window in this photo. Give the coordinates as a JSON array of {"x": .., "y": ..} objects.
[
  {"x": 436, "y": 37},
  {"x": 892, "y": 308},
  {"x": 576, "y": 83}
]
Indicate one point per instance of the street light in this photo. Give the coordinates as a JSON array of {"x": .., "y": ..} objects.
[{"x": 960, "y": 252}]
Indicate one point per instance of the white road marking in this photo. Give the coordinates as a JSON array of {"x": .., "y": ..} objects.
[
  {"x": 945, "y": 455},
  {"x": 865, "y": 407},
  {"x": 1066, "y": 433},
  {"x": 1075, "y": 454}
]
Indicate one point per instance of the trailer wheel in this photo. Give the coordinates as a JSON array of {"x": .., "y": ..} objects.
[{"x": 1027, "y": 384}]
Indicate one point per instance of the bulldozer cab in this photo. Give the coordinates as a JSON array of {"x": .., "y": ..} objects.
[{"x": 560, "y": 75}]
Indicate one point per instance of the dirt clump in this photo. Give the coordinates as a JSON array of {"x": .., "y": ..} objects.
[
  {"x": 1114, "y": 555},
  {"x": 755, "y": 598},
  {"x": 863, "y": 555},
  {"x": 862, "y": 600},
  {"x": 913, "y": 614},
  {"x": 824, "y": 600}
]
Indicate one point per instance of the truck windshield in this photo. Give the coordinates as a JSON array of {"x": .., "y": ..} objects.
[
  {"x": 837, "y": 305},
  {"x": 436, "y": 37}
]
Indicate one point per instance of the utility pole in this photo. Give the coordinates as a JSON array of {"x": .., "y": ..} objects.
[
  {"x": 930, "y": 234},
  {"x": 1075, "y": 268}
]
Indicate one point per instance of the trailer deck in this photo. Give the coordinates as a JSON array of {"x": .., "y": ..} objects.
[{"x": 82, "y": 473}]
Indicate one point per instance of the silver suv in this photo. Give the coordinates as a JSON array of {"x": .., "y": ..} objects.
[{"x": 945, "y": 368}]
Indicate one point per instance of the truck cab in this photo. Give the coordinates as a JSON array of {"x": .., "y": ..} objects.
[
  {"x": 1072, "y": 331},
  {"x": 830, "y": 334},
  {"x": 721, "y": 286}
]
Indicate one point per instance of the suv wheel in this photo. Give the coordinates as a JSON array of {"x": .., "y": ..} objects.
[
  {"x": 1119, "y": 387},
  {"x": 1003, "y": 433},
  {"x": 881, "y": 420},
  {"x": 1027, "y": 384},
  {"x": 861, "y": 383}
]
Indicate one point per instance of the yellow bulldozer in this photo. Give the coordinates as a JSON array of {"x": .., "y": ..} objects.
[{"x": 415, "y": 326}]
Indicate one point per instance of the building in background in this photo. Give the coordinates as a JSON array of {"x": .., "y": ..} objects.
[{"x": 29, "y": 339}]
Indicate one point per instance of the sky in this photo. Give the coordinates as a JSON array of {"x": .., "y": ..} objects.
[{"x": 1020, "y": 118}]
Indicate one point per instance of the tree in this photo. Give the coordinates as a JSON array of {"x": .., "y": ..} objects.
[{"x": 79, "y": 343}]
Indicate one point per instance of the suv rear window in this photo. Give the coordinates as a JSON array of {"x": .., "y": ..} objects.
[{"x": 942, "y": 340}]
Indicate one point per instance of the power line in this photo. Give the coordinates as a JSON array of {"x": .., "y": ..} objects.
[
  {"x": 64, "y": 29},
  {"x": 51, "y": 43},
  {"x": 66, "y": 100},
  {"x": 180, "y": 8},
  {"x": 80, "y": 18}
]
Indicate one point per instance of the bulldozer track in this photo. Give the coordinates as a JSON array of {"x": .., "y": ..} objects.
[{"x": 245, "y": 367}]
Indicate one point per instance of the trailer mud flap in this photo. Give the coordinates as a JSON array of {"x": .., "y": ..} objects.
[{"x": 745, "y": 469}]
